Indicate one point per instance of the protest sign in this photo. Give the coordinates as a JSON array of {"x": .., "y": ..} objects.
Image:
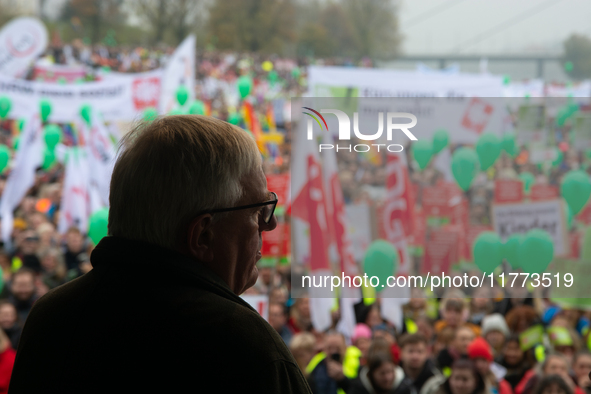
[
  {"x": 21, "y": 42},
  {"x": 542, "y": 192},
  {"x": 508, "y": 191},
  {"x": 120, "y": 98},
  {"x": 511, "y": 219},
  {"x": 441, "y": 250}
]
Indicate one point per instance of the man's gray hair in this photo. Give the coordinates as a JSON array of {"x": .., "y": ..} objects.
[{"x": 173, "y": 168}]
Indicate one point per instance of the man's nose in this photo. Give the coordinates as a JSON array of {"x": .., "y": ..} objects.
[{"x": 269, "y": 226}]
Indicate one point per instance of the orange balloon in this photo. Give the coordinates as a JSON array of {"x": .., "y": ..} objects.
[{"x": 43, "y": 205}]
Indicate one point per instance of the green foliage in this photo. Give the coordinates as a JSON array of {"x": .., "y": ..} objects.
[
  {"x": 251, "y": 25},
  {"x": 577, "y": 56}
]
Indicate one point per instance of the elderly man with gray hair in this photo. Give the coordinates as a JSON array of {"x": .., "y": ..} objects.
[{"x": 160, "y": 310}]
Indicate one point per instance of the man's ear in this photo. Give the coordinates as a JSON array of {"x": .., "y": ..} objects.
[{"x": 200, "y": 237}]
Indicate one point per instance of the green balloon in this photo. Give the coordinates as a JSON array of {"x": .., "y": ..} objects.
[
  {"x": 197, "y": 108},
  {"x": 49, "y": 159},
  {"x": 21, "y": 125},
  {"x": 273, "y": 77},
  {"x": 510, "y": 249},
  {"x": 15, "y": 142},
  {"x": 4, "y": 157},
  {"x": 380, "y": 260},
  {"x": 5, "y": 105},
  {"x": 536, "y": 251},
  {"x": 53, "y": 135},
  {"x": 576, "y": 189},
  {"x": 509, "y": 145},
  {"x": 150, "y": 114},
  {"x": 488, "y": 148},
  {"x": 86, "y": 113},
  {"x": 528, "y": 180},
  {"x": 440, "y": 140},
  {"x": 177, "y": 111},
  {"x": 464, "y": 166},
  {"x": 98, "y": 225},
  {"x": 487, "y": 251},
  {"x": 234, "y": 118},
  {"x": 182, "y": 95},
  {"x": 244, "y": 84},
  {"x": 422, "y": 151},
  {"x": 45, "y": 107}
]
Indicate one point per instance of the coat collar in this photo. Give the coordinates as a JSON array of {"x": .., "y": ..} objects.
[{"x": 118, "y": 251}]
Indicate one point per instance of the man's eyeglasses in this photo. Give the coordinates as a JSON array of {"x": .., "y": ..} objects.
[{"x": 267, "y": 212}]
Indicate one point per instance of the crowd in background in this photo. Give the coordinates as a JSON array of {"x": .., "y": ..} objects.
[{"x": 447, "y": 345}]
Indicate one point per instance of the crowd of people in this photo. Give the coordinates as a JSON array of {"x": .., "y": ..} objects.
[{"x": 447, "y": 345}]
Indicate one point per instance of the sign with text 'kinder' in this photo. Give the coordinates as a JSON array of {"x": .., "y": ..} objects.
[{"x": 509, "y": 219}]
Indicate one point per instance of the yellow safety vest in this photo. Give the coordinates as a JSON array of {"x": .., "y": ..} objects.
[{"x": 350, "y": 363}]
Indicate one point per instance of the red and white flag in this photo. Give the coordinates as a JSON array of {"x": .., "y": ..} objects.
[{"x": 311, "y": 228}]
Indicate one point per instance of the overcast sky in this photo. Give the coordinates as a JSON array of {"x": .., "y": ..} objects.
[{"x": 451, "y": 26}]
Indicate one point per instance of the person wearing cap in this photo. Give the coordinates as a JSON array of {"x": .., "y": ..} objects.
[
  {"x": 361, "y": 339},
  {"x": 495, "y": 331},
  {"x": 161, "y": 309},
  {"x": 564, "y": 341},
  {"x": 480, "y": 352}
]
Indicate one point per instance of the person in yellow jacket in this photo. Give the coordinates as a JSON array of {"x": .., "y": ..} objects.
[{"x": 331, "y": 371}]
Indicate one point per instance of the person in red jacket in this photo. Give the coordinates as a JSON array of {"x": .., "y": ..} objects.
[
  {"x": 7, "y": 356},
  {"x": 480, "y": 351}
]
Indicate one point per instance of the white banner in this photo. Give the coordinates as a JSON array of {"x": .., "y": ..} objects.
[
  {"x": 531, "y": 88},
  {"x": 466, "y": 118},
  {"x": 75, "y": 205},
  {"x": 118, "y": 98},
  {"x": 511, "y": 219},
  {"x": 373, "y": 82},
  {"x": 180, "y": 70},
  {"x": 101, "y": 153},
  {"x": 28, "y": 159},
  {"x": 21, "y": 42},
  {"x": 467, "y": 104}
]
